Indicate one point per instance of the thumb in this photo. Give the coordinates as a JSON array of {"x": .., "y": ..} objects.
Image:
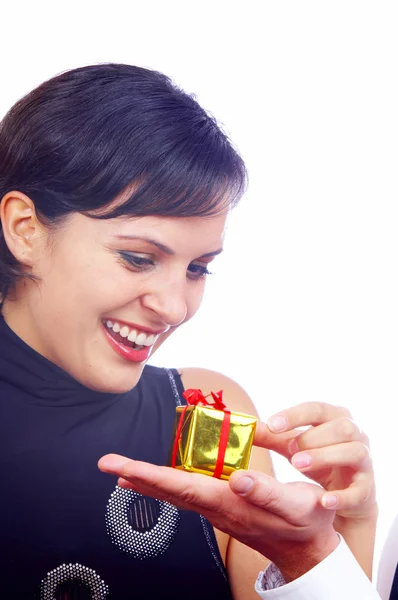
[{"x": 293, "y": 502}]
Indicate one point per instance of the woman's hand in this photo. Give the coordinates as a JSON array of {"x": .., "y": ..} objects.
[{"x": 332, "y": 451}]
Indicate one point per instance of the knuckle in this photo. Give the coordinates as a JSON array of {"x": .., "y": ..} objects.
[
  {"x": 266, "y": 496},
  {"x": 365, "y": 440},
  {"x": 161, "y": 494},
  {"x": 319, "y": 410},
  {"x": 348, "y": 429},
  {"x": 323, "y": 411},
  {"x": 365, "y": 494},
  {"x": 360, "y": 495},
  {"x": 369, "y": 493},
  {"x": 188, "y": 495},
  {"x": 237, "y": 520},
  {"x": 362, "y": 453},
  {"x": 343, "y": 412}
]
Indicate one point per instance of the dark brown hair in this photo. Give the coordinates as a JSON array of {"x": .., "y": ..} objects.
[{"x": 78, "y": 140}]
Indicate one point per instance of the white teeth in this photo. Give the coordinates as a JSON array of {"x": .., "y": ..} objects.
[
  {"x": 132, "y": 336},
  {"x": 141, "y": 339},
  {"x": 150, "y": 340}
]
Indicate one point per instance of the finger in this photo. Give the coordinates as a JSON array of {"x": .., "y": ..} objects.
[
  {"x": 359, "y": 493},
  {"x": 187, "y": 490},
  {"x": 214, "y": 498},
  {"x": 273, "y": 496},
  {"x": 253, "y": 525},
  {"x": 205, "y": 495},
  {"x": 351, "y": 454},
  {"x": 331, "y": 433},
  {"x": 279, "y": 442},
  {"x": 307, "y": 413}
]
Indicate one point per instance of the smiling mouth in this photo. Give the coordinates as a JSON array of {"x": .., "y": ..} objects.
[{"x": 128, "y": 336}]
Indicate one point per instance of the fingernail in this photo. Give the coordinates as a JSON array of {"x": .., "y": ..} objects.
[
  {"x": 329, "y": 501},
  {"x": 293, "y": 446},
  {"x": 302, "y": 460},
  {"x": 277, "y": 423},
  {"x": 243, "y": 485},
  {"x": 111, "y": 463}
]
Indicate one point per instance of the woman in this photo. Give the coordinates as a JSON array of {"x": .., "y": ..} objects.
[{"x": 115, "y": 189}]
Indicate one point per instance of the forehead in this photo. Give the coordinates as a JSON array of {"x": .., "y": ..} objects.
[
  {"x": 178, "y": 233},
  {"x": 193, "y": 236}
]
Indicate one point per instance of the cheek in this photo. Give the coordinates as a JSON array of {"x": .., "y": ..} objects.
[
  {"x": 194, "y": 300},
  {"x": 84, "y": 285}
]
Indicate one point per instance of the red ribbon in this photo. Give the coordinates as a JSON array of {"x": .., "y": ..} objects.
[{"x": 196, "y": 398}]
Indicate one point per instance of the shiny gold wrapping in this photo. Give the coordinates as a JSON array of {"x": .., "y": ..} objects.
[{"x": 200, "y": 436}]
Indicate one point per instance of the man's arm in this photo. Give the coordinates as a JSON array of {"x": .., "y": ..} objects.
[
  {"x": 337, "y": 577},
  {"x": 285, "y": 522}
]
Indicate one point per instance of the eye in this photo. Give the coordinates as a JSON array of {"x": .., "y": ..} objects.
[
  {"x": 139, "y": 263},
  {"x": 196, "y": 271}
]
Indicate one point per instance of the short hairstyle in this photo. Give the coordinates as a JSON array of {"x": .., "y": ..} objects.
[{"x": 78, "y": 140}]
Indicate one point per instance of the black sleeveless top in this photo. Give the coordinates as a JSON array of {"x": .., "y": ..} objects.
[
  {"x": 68, "y": 532},
  {"x": 394, "y": 588}
]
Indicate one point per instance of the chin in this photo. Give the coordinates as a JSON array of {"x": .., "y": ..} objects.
[
  {"x": 112, "y": 384},
  {"x": 106, "y": 374}
]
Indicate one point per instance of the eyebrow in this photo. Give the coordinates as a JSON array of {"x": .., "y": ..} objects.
[{"x": 162, "y": 247}]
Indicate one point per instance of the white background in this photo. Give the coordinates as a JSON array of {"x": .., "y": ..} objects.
[{"x": 303, "y": 305}]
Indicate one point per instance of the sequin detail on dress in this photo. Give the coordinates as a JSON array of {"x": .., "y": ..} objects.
[
  {"x": 173, "y": 386},
  {"x": 68, "y": 573},
  {"x": 140, "y": 526},
  {"x": 205, "y": 525}
]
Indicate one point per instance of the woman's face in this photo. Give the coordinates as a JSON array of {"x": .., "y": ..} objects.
[{"x": 111, "y": 291}]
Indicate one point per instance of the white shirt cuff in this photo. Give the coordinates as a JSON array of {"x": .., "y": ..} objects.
[{"x": 337, "y": 577}]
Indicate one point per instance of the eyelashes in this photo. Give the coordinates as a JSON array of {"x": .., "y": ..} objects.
[
  {"x": 138, "y": 264},
  {"x": 198, "y": 271}
]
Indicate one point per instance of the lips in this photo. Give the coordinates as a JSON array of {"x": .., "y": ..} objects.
[{"x": 130, "y": 343}]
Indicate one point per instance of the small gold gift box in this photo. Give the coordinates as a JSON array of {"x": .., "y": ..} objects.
[{"x": 211, "y": 441}]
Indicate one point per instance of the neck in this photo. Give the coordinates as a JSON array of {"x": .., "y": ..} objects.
[{"x": 17, "y": 315}]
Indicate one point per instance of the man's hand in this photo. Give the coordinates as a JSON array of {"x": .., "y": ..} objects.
[{"x": 284, "y": 522}]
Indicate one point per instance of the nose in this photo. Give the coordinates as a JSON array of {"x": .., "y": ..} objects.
[{"x": 168, "y": 301}]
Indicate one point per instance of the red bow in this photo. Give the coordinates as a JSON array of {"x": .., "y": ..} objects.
[{"x": 196, "y": 397}]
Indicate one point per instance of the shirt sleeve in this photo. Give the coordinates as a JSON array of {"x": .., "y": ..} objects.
[{"x": 338, "y": 577}]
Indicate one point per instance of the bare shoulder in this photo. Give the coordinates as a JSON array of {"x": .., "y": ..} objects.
[{"x": 235, "y": 397}]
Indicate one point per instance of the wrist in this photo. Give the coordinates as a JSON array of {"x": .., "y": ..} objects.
[
  {"x": 359, "y": 532},
  {"x": 305, "y": 556},
  {"x": 348, "y": 521}
]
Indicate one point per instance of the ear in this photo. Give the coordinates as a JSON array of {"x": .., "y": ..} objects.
[{"x": 21, "y": 228}]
